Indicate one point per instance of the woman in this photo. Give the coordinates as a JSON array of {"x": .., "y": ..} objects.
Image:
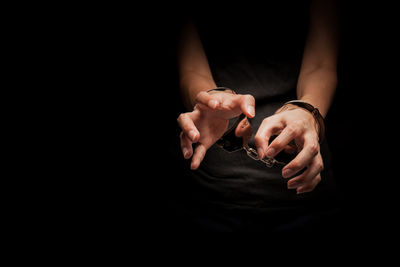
[{"x": 256, "y": 66}]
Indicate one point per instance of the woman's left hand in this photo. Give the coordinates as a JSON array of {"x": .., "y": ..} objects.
[{"x": 293, "y": 123}]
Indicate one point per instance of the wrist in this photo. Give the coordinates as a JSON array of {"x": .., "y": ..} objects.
[
  {"x": 190, "y": 92},
  {"x": 314, "y": 112},
  {"x": 322, "y": 103},
  {"x": 286, "y": 107}
]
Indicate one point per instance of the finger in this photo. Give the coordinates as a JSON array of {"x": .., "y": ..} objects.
[
  {"x": 229, "y": 103},
  {"x": 188, "y": 127},
  {"x": 186, "y": 146},
  {"x": 268, "y": 127},
  {"x": 244, "y": 129},
  {"x": 198, "y": 156},
  {"x": 309, "y": 186},
  {"x": 308, "y": 175},
  {"x": 289, "y": 133},
  {"x": 207, "y": 100},
  {"x": 247, "y": 105},
  {"x": 304, "y": 158},
  {"x": 290, "y": 149}
]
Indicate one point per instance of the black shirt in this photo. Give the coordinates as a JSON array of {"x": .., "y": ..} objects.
[{"x": 257, "y": 51}]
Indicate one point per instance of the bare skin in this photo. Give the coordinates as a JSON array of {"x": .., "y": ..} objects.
[
  {"x": 209, "y": 120},
  {"x": 210, "y": 112}
]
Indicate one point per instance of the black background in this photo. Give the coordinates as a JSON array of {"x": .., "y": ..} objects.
[{"x": 130, "y": 52}]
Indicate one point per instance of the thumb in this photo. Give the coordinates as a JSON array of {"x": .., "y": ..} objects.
[{"x": 247, "y": 105}]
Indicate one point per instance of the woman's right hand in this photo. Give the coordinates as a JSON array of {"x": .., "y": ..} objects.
[{"x": 209, "y": 121}]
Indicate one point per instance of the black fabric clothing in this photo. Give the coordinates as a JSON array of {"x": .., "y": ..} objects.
[{"x": 257, "y": 53}]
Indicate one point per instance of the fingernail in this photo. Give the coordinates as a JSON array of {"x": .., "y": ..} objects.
[
  {"x": 185, "y": 152},
  {"x": 250, "y": 110},
  {"x": 260, "y": 153},
  {"x": 213, "y": 103},
  {"x": 270, "y": 152},
  {"x": 287, "y": 173},
  {"x": 192, "y": 135},
  {"x": 193, "y": 166}
]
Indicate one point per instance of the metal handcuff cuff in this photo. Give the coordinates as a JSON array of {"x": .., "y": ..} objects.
[{"x": 230, "y": 142}]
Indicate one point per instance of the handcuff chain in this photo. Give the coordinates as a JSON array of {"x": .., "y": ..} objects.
[{"x": 270, "y": 162}]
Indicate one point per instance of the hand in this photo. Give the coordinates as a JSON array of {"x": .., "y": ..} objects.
[
  {"x": 299, "y": 125},
  {"x": 209, "y": 121}
]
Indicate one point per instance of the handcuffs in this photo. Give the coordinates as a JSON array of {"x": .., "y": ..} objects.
[{"x": 230, "y": 142}]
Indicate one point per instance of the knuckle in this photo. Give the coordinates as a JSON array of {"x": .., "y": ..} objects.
[
  {"x": 293, "y": 128},
  {"x": 198, "y": 96},
  {"x": 179, "y": 119},
  {"x": 183, "y": 116},
  {"x": 320, "y": 166},
  {"x": 277, "y": 145},
  {"x": 201, "y": 97},
  {"x": 258, "y": 139},
  {"x": 314, "y": 149},
  {"x": 202, "y": 93},
  {"x": 295, "y": 165},
  {"x": 267, "y": 120}
]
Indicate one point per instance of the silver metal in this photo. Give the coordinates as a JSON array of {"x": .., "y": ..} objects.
[
  {"x": 270, "y": 162},
  {"x": 231, "y": 143}
]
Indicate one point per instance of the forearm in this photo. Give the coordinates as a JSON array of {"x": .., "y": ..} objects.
[
  {"x": 194, "y": 71},
  {"x": 192, "y": 83},
  {"x": 318, "y": 76},
  {"x": 317, "y": 87}
]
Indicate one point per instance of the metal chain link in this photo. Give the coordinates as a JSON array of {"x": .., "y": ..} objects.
[{"x": 270, "y": 162}]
